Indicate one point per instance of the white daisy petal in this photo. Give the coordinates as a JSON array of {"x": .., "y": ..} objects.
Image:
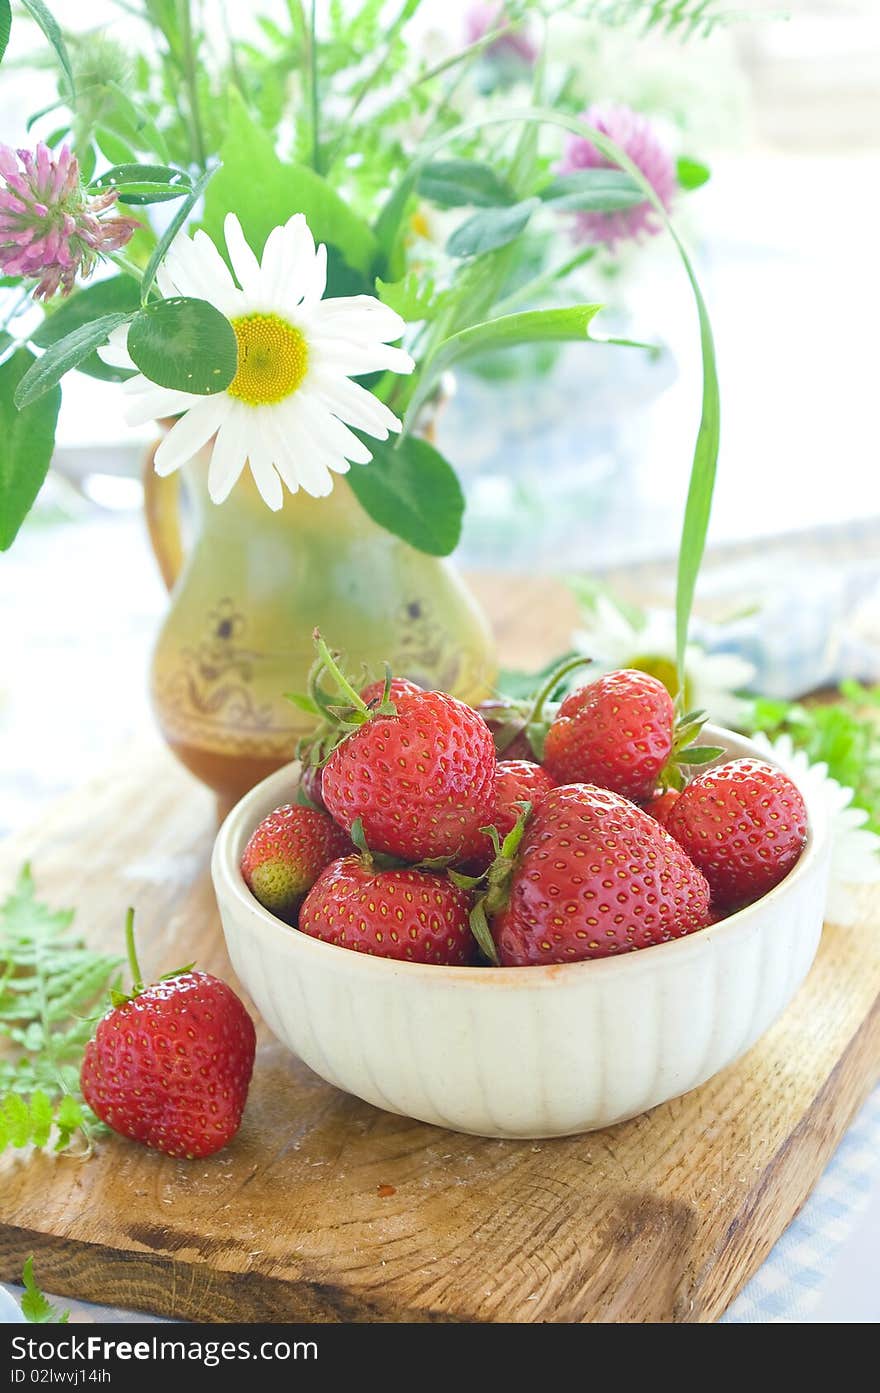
[
  {"x": 266, "y": 477},
  {"x": 187, "y": 436},
  {"x": 359, "y": 316},
  {"x": 115, "y": 351},
  {"x": 296, "y": 458},
  {"x": 330, "y": 434},
  {"x": 274, "y": 268},
  {"x": 300, "y": 246},
  {"x": 244, "y": 262},
  {"x": 316, "y": 282},
  {"x": 352, "y": 360},
  {"x": 353, "y": 404},
  {"x": 153, "y": 403},
  {"x": 165, "y": 283},
  {"x": 229, "y": 455},
  {"x": 199, "y": 269}
]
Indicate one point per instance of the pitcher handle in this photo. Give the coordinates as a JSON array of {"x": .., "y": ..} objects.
[{"x": 162, "y": 512}]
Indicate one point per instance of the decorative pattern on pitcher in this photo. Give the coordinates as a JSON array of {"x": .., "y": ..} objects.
[{"x": 210, "y": 693}]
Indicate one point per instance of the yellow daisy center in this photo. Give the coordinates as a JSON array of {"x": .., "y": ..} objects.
[
  {"x": 665, "y": 671},
  {"x": 272, "y": 359}
]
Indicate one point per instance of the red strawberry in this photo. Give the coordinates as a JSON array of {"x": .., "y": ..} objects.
[
  {"x": 517, "y": 781},
  {"x": 170, "y": 1066},
  {"x": 422, "y": 782},
  {"x": 744, "y": 823},
  {"x": 593, "y": 876},
  {"x": 286, "y": 854},
  {"x": 661, "y": 805},
  {"x": 418, "y": 916},
  {"x": 400, "y": 686},
  {"x": 618, "y": 732}
]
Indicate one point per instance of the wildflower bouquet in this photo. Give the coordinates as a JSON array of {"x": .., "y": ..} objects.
[{"x": 260, "y": 209}]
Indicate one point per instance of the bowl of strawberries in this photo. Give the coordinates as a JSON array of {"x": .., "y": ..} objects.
[{"x": 520, "y": 921}]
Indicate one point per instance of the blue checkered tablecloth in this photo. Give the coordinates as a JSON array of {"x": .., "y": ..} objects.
[{"x": 820, "y": 1249}]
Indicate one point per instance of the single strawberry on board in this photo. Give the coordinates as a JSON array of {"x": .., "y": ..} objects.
[
  {"x": 744, "y": 823},
  {"x": 417, "y": 769},
  {"x": 170, "y": 1065},
  {"x": 287, "y": 852},
  {"x": 414, "y": 915},
  {"x": 617, "y": 732},
  {"x": 592, "y": 876}
]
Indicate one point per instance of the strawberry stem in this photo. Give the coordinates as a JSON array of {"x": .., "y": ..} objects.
[
  {"x": 338, "y": 676},
  {"x": 551, "y": 684},
  {"x": 137, "y": 983}
]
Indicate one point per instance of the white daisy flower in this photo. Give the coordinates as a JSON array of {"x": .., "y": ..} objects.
[
  {"x": 288, "y": 409},
  {"x": 712, "y": 680},
  {"x": 855, "y": 850}
]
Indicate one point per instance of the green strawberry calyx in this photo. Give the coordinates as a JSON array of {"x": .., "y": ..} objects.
[
  {"x": 493, "y": 886},
  {"x": 340, "y": 713},
  {"x": 685, "y": 755},
  {"x": 138, "y": 987}
]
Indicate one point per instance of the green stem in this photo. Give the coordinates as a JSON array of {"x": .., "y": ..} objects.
[
  {"x": 129, "y": 267},
  {"x": 314, "y": 98},
  {"x": 551, "y": 684},
  {"x": 338, "y": 675},
  {"x": 191, "y": 79},
  {"x": 472, "y": 51},
  {"x": 137, "y": 984}
]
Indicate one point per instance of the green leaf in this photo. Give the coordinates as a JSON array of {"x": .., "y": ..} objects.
[
  {"x": 455, "y": 183},
  {"x": 413, "y": 298},
  {"x": 49, "y": 25},
  {"x": 112, "y": 146},
  {"x": 69, "y": 1118},
  {"x": 171, "y": 232},
  {"x": 118, "y": 295},
  {"x": 264, "y": 192},
  {"x": 5, "y": 26},
  {"x": 34, "y": 1305},
  {"x": 692, "y": 174},
  {"x": 409, "y": 489},
  {"x": 26, "y": 441},
  {"x": 184, "y": 344},
  {"x": 18, "y": 1120},
  {"x": 490, "y": 229},
  {"x": 143, "y": 183},
  {"x": 596, "y": 190},
  {"x": 699, "y": 754},
  {"x": 63, "y": 355},
  {"x": 49, "y": 987},
  {"x": 129, "y": 120},
  {"x": 41, "y": 1118},
  {"x": 569, "y": 324},
  {"x": 390, "y": 225}
]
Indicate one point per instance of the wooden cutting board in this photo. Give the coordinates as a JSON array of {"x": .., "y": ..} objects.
[{"x": 326, "y": 1209}]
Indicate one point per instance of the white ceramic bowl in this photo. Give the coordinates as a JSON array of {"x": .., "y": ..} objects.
[{"x": 529, "y": 1051}]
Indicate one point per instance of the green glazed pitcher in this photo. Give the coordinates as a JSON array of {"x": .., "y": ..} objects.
[{"x": 245, "y": 601}]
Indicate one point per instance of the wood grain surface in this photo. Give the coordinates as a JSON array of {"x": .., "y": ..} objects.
[{"x": 325, "y": 1208}]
